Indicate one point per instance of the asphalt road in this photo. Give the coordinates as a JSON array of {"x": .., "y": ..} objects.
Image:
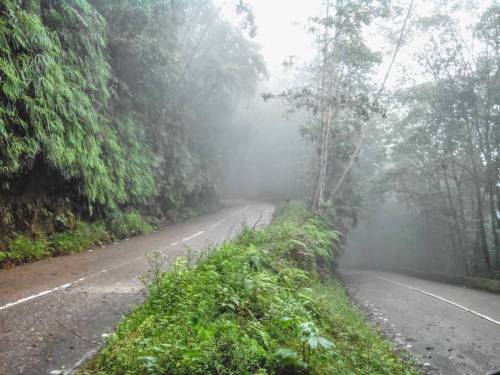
[
  {"x": 54, "y": 313},
  {"x": 451, "y": 330}
]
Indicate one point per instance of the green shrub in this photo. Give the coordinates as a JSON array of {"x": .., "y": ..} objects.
[
  {"x": 299, "y": 237},
  {"x": 23, "y": 249},
  {"x": 54, "y": 104},
  {"x": 69, "y": 242},
  {"x": 84, "y": 235},
  {"x": 249, "y": 309},
  {"x": 123, "y": 225},
  {"x": 4, "y": 256},
  {"x": 81, "y": 238}
]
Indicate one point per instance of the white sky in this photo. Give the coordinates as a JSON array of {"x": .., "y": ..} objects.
[
  {"x": 282, "y": 28},
  {"x": 282, "y": 32}
]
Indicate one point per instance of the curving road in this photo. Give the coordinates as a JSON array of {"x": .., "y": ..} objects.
[
  {"x": 451, "y": 330},
  {"x": 54, "y": 313}
]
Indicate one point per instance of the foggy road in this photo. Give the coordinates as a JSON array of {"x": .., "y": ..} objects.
[
  {"x": 54, "y": 313},
  {"x": 452, "y": 330}
]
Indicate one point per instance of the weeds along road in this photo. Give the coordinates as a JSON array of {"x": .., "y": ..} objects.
[
  {"x": 54, "y": 313},
  {"x": 452, "y": 330}
]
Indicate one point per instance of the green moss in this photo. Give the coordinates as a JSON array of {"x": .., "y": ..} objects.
[
  {"x": 254, "y": 306},
  {"x": 86, "y": 235}
]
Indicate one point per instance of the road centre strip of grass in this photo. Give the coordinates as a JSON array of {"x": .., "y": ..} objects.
[{"x": 264, "y": 303}]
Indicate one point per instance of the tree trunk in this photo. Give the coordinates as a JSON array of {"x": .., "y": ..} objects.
[
  {"x": 495, "y": 222},
  {"x": 460, "y": 252}
]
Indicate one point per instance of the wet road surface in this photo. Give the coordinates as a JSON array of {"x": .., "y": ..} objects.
[
  {"x": 451, "y": 330},
  {"x": 54, "y": 313}
]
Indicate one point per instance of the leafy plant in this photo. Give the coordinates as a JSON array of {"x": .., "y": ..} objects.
[
  {"x": 123, "y": 225},
  {"x": 23, "y": 248},
  {"x": 4, "y": 256},
  {"x": 103, "y": 122},
  {"x": 311, "y": 340},
  {"x": 81, "y": 238},
  {"x": 247, "y": 309}
]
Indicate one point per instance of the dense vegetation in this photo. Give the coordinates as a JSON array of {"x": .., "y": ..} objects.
[
  {"x": 445, "y": 142},
  {"x": 433, "y": 163},
  {"x": 262, "y": 304},
  {"x": 23, "y": 248},
  {"x": 109, "y": 106},
  {"x": 431, "y": 140}
]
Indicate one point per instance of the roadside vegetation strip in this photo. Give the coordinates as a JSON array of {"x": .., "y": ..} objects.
[
  {"x": 264, "y": 303},
  {"x": 78, "y": 237},
  {"x": 143, "y": 227}
]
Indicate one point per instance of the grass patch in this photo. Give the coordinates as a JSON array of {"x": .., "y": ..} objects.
[
  {"x": 262, "y": 304},
  {"x": 122, "y": 225},
  {"x": 22, "y": 248},
  {"x": 81, "y": 238}
]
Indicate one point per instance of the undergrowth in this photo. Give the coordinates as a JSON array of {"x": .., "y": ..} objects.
[
  {"x": 23, "y": 248},
  {"x": 262, "y": 304},
  {"x": 129, "y": 224}
]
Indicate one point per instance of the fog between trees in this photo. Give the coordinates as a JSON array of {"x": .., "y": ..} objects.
[{"x": 162, "y": 108}]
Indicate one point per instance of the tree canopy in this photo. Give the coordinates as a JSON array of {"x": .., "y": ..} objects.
[{"x": 110, "y": 105}]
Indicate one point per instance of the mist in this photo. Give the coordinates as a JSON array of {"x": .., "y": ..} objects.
[
  {"x": 267, "y": 158},
  {"x": 391, "y": 236},
  {"x": 249, "y": 186}
]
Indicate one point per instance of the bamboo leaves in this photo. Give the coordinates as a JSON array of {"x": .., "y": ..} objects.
[{"x": 55, "y": 83}]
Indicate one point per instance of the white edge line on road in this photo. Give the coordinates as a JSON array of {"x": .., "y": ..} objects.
[
  {"x": 80, "y": 362},
  {"x": 94, "y": 351},
  {"x": 240, "y": 211},
  {"x": 218, "y": 223},
  {"x": 193, "y": 236},
  {"x": 49, "y": 291},
  {"x": 482, "y": 316},
  {"x": 45, "y": 292},
  {"x": 61, "y": 287}
]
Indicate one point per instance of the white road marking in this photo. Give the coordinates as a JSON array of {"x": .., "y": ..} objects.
[
  {"x": 94, "y": 351},
  {"x": 82, "y": 360},
  {"x": 193, "y": 236},
  {"x": 53, "y": 290},
  {"x": 44, "y": 293},
  {"x": 218, "y": 223},
  {"x": 62, "y": 287},
  {"x": 482, "y": 316},
  {"x": 240, "y": 211}
]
